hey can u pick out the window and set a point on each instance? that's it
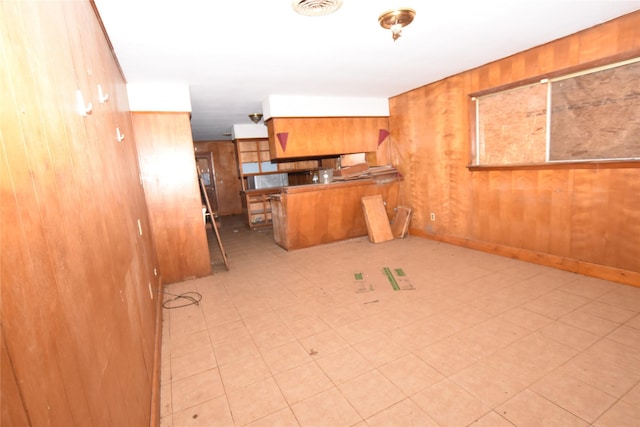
(593, 115)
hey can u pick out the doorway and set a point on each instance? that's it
(206, 171)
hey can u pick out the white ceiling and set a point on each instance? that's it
(234, 53)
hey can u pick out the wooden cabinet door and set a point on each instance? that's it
(323, 136)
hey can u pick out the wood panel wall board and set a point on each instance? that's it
(622, 242)
(566, 52)
(41, 152)
(590, 214)
(97, 67)
(67, 251)
(12, 411)
(628, 32)
(550, 209)
(173, 197)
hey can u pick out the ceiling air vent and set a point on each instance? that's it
(316, 7)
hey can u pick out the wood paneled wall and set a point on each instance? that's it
(78, 322)
(579, 218)
(225, 164)
(168, 165)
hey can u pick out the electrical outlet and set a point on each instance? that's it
(150, 291)
(433, 216)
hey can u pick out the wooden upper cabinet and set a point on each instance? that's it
(324, 136)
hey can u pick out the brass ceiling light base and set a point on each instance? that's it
(255, 117)
(395, 20)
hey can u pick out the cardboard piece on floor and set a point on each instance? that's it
(400, 222)
(375, 215)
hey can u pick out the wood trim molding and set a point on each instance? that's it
(624, 277)
(156, 404)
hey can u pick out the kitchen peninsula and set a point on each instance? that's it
(314, 214)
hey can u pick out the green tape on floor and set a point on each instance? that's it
(399, 272)
(358, 276)
(392, 280)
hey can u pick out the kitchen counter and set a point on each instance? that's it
(314, 214)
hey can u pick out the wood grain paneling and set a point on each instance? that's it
(580, 219)
(168, 166)
(78, 323)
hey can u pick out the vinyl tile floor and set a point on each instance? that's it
(320, 337)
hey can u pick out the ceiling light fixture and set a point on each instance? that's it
(316, 7)
(255, 117)
(395, 20)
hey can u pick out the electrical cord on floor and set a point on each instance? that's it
(194, 298)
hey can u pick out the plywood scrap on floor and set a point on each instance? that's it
(375, 216)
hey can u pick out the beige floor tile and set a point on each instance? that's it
(530, 358)
(326, 409)
(575, 396)
(627, 297)
(403, 414)
(608, 311)
(165, 400)
(622, 414)
(282, 418)
(491, 419)
(449, 404)
(589, 287)
(307, 326)
(528, 409)
(626, 335)
(569, 335)
(243, 372)
(589, 322)
(371, 393)
(291, 341)
(526, 318)
(340, 316)
(196, 389)
(488, 384)
(192, 363)
(380, 350)
(262, 321)
(255, 401)
(323, 343)
(212, 413)
(611, 379)
(616, 354)
(274, 336)
(634, 322)
(233, 349)
(187, 343)
(228, 331)
(411, 374)
(343, 365)
(286, 357)
(633, 396)
(303, 382)
(447, 356)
